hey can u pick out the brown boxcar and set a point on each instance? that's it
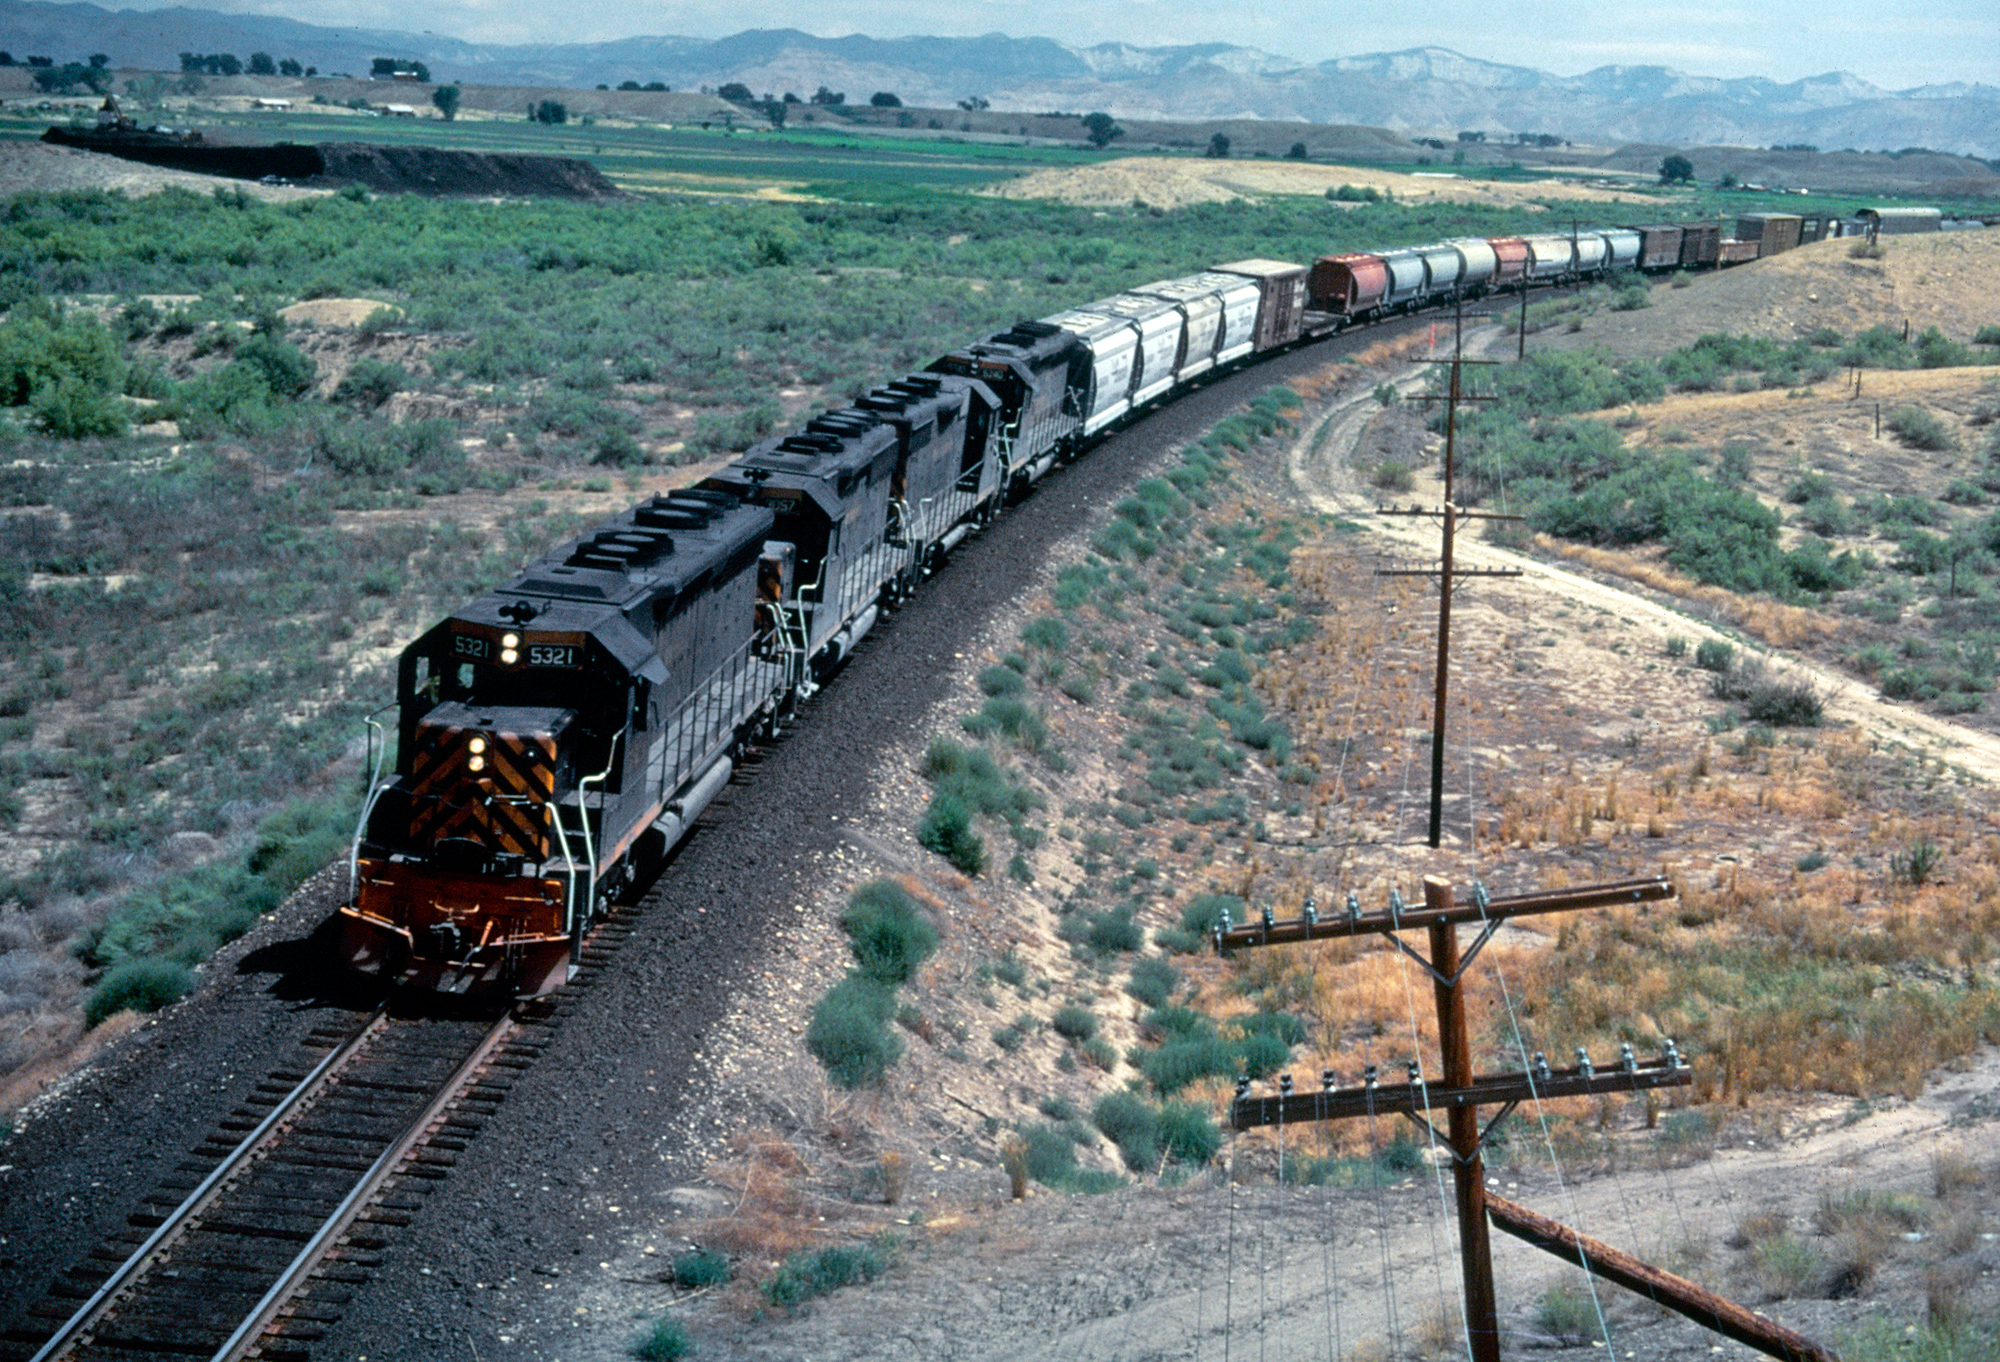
(1348, 285)
(1733, 252)
(1659, 246)
(1700, 242)
(1282, 310)
(1773, 232)
(1512, 252)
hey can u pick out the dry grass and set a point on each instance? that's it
(1768, 621)
(766, 1175)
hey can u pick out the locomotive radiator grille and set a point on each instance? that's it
(489, 788)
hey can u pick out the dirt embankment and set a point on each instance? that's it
(1942, 279)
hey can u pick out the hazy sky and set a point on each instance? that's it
(1893, 43)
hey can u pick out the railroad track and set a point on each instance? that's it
(252, 1246)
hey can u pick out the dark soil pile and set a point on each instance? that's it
(460, 174)
(431, 171)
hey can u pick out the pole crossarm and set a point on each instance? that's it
(1330, 1104)
(1460, 1094)
(1437, 569)
(1477, 909)
(1704, 1307)
(1448, 509)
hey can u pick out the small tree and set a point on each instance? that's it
(261, 64)
(148, 90)
(548, 113)
(828, 98)
(1218, 146)
(64, 78)
(736, 92)
(446, 98)
(1100, 129)
(882, 99)
(974, 103)
(289, 66)
(1676, 170)
(100, 60)
(1297, 153)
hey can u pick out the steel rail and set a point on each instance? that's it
(205, 1192)
(351, 1206)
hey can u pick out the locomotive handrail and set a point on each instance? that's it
(569, 864)
(375, 788)
(583, 814)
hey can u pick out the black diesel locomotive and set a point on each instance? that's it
(568, 727)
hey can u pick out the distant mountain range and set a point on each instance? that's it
(1426, 91)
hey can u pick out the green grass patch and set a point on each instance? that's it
(137, 986)
(810, 1273)
(850, 1032)
(664, 1340)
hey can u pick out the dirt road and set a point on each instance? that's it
(1321, 468)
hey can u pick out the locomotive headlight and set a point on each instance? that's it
(477, 764)
(477, 745)
(510, 641)
(509, 656)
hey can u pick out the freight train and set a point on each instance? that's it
(560, 733)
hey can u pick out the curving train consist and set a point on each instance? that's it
(568, 727)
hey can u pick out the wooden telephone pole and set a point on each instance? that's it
(1461, 1094)
(1446, 570)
